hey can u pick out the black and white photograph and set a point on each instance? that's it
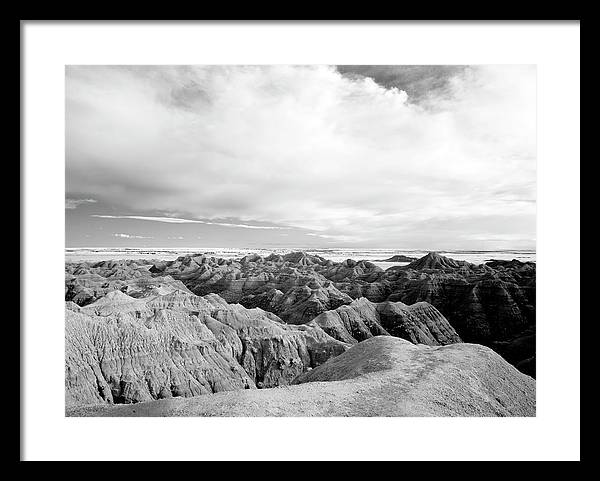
(300, 240)
(282, 240)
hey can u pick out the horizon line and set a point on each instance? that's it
(301, 248)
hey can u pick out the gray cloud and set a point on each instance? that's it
(74, 203)
(420, 82)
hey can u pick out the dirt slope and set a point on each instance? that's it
(382, 376)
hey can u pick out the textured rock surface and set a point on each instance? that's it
(491, 304)
(420, 323)
(433, 260)
(86, 282)
(382, 376)
(299, 305)
(121, 349)
(239, 280)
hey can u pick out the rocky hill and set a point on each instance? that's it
(491, 304)
(487, 304)
(299, 305)
(382, 376)
(86, 282)
(420, 323)
(120, 349)
(435, 261)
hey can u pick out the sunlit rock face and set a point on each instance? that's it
(381, 376)
(120, 349)
(458, 379)
(420, 323)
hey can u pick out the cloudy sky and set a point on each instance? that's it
(405, 157)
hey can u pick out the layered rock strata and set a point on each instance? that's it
(120, 349)
(382, 376)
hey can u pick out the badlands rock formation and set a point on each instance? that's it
(491, 304)
(420, 323)
(120, 349)
(87, 282)
(139, 331)
(299, 305)
(382, 376)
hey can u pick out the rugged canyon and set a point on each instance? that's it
(140, 331)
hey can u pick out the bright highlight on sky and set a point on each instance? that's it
(406, 157)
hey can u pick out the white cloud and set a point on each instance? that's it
(246, 226)
(306, 147)
(130, 236)
(74, 203)
(170, 220)
(341, 238)
(176, 220)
